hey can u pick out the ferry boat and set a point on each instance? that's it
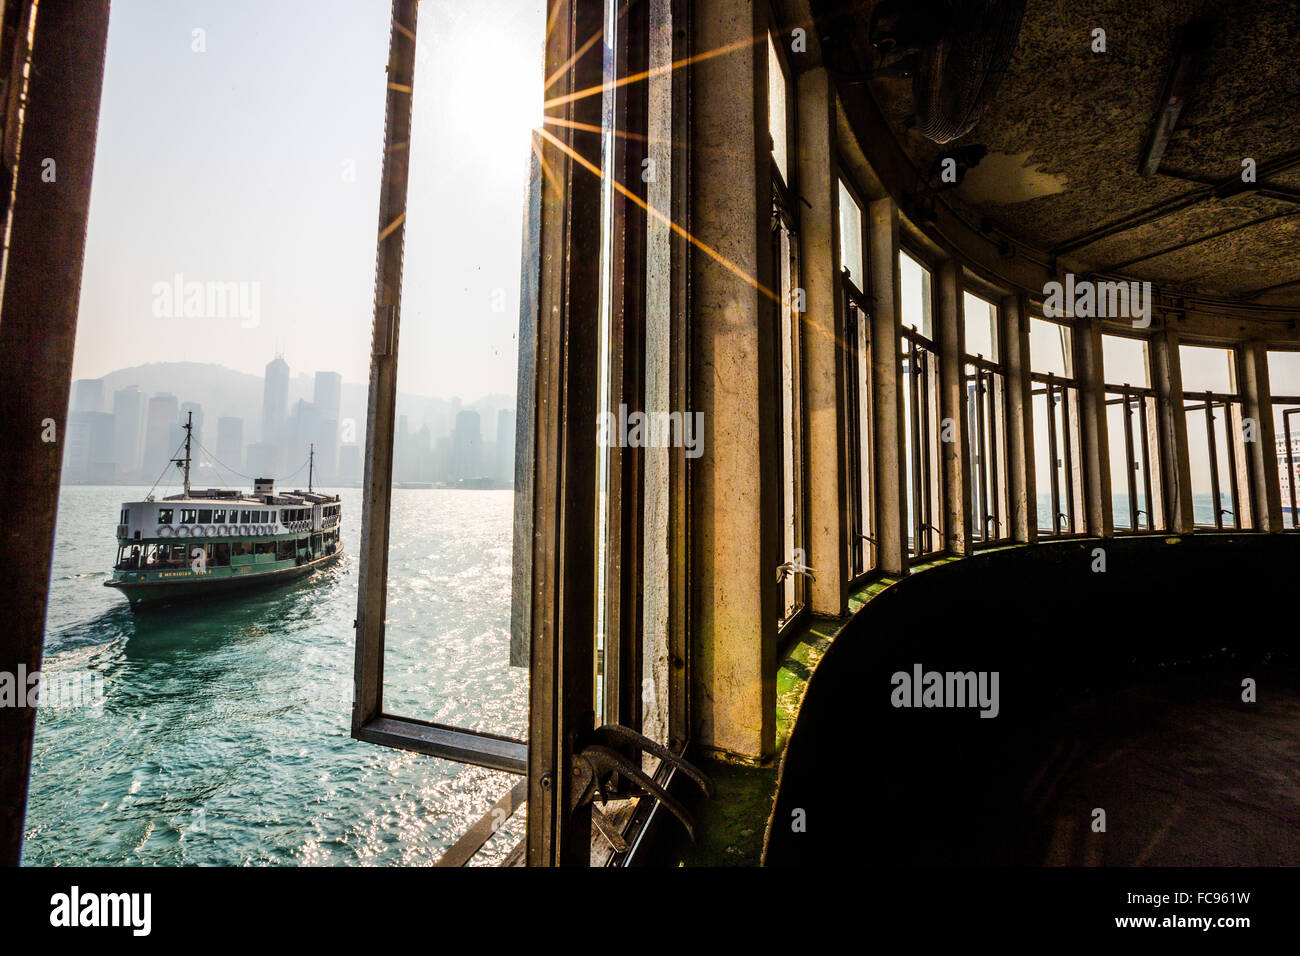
(213, 541)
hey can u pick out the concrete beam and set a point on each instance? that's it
(950, 333)
(1093, 430)
(823, 356)
(735, 546)
(887, 388)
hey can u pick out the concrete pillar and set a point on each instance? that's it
(735, 490)
(1092, 415)
(823, 355)
(1175, 460)
(950, 335)
(1021, 479)
(1257, 403)
(38, 329)
(887, 388)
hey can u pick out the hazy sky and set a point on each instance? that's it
(258, 161)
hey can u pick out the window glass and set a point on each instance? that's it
(164, 515)
(1284, 384)
(1284, 373)
(776, 110)
(1207, 369)
(1051, 348)
(851, 237)
(981, 318)
(914, 281)
(1125, 361)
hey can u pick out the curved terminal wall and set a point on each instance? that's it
(1118, 690)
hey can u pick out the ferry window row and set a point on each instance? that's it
(215, 554)
(222, 516)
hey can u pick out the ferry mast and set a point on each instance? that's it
(184, 463)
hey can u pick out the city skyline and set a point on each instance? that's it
(139, 436)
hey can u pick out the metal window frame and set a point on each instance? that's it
(920, 368)
(785, 232)
(985, 433)
(1145, 402)
(786, 228)
(370, 721)
(1063, 452)
(1294, 508)
(1233, 411)
(620, 666)
(990, 467)
(857, 379)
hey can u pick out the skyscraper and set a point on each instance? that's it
(159, 422)
(275, 400)
(264, 460)
(87, 395)
(88, 448)
(329, 391)
(128, 428)
(230, 442)
(301, 433)
(350, 464)
(326, 398)
(467, 447)
(505, 447)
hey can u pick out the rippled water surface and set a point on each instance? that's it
(223, 736)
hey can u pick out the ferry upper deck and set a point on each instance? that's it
(989, 310)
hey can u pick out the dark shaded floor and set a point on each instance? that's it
(1119, 692)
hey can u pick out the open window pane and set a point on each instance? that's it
(921, 418)
(917, 304)
(981, 320)
(990, 502)
(447, 632)
(777, 119)
(1216, 449)
(1051, 348)
(1206, 369)
(851, 237)
(920, 367)
(793, 540)
(1058, 463)
(1058, 458)
(1125, 361)
(862, 550)
(1132, 425)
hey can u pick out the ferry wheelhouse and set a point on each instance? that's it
(212, 541)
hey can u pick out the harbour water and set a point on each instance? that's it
(223, 734)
